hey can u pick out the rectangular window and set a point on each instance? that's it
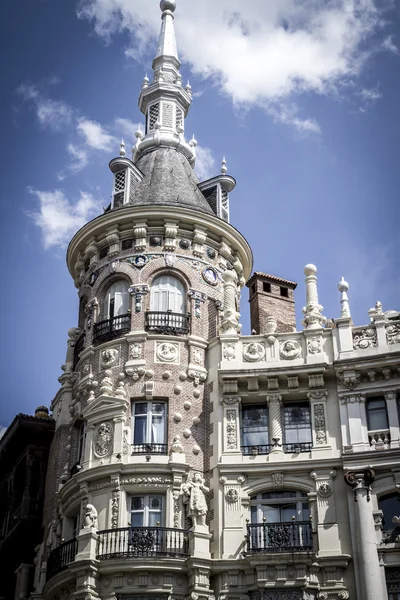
(284, 292)
(147, 511)
(254, 426)
(119, 184)
(127, 244)
(377, 414)
(266, 287)
(149, 427)
(103, 253)
(154, 114)
(297, 423)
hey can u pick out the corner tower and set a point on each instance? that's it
(128, 474)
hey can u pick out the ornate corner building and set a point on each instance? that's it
(190, 461)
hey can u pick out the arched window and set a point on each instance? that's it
(116, 301)
(280, 522)
(167, 294)
(116, 319)
(167, 307)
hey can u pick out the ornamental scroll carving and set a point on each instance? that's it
(365, 338)
(103, 440)
(393, 334)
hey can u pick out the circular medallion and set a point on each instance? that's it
(210, 276)
(140, 261)
(184, 244)
(211, 253)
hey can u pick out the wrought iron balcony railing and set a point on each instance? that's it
(254, 450)
(111, 328)
(279, 537)
(79, 346)
(167, 322)
(149, 449)
(138, 542)
(297, 447)
(61, 557)
(294, 448)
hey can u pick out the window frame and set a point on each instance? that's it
(146, 509)
(299, 499)
(370, 412)
(148, 446)
(109, 302)
(292, 405)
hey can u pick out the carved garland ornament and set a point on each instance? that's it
(319, 423)
(231, 430)
(103, 440)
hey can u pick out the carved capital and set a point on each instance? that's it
(231, 400)
(360, 481)
(274, 399)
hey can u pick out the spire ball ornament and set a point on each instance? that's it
(168, 5)
(343, 286)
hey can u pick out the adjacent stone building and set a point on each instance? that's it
(24, 451)
(190, 461)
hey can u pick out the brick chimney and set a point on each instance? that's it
(271, 296)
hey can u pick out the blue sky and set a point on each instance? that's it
(302, 100)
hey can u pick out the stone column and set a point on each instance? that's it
(230, 318)
(370, 576)
(275, 421)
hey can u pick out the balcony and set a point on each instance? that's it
(111, 328)
(295, 448)
(168, 323)
(139, 542)
(61, 557)
(379, 439)
(149, 449)
(79, 346)
(279, 537)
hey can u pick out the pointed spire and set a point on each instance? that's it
(122, 151)
(224, 168)
(167, 41)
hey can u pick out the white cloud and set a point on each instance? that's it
(54, 114)
(205, 163)
(79, 158)
(58, 218)
(258, 53)
(126, 128)
(95, 135)
(370, 95)
(388, 44)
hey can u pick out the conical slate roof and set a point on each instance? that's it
(169, 180)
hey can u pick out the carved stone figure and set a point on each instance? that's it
(110, 357)
(253, 352)
(194, 492)
(103, 440)
(167, 352)
(90, 518)
(290, 350)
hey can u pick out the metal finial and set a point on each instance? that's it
(122, 151)
(224, 169)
